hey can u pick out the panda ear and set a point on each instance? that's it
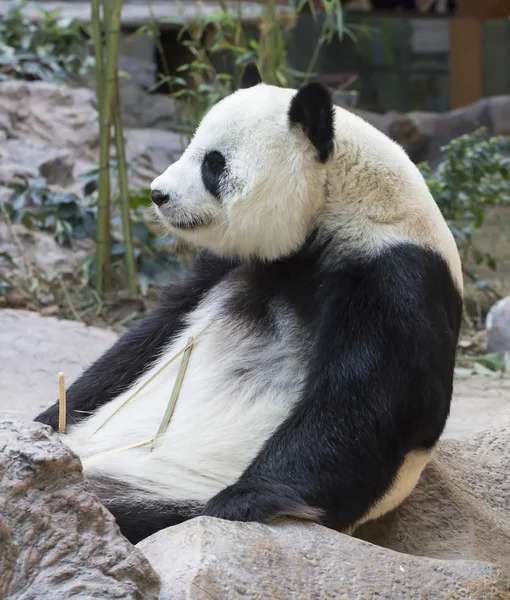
(250, 76)
(312, 109)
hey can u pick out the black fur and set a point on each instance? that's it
(250, 76)
(139, 515)
(212, 169)
(379, 383)
(137, 350)
(312, 108)
(383, 336)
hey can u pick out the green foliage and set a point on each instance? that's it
(221, 39)
(473, 176)
(70, 218)
(61, 213)
(47, 49)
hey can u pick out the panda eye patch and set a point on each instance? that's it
(215, 162)
(213, 166)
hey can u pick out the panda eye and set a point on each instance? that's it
(215, 162)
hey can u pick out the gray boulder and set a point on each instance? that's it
(498, 327)
(450, 540)
(52, 130)
(209, 558)
(141, 109)
(56, 540)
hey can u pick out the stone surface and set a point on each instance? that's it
(209, 558)
(450, 539)
(33, 350)
(40, 249)
(162, 147)
(141, 109)
(498, 327)
(53, 129)
(461, 507)
(57, 541)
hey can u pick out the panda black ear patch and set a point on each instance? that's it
(250, 76)
(312, 108)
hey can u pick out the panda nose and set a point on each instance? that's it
(159, 198)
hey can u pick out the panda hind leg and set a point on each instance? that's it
(137, 513)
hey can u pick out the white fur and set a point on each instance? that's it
(220, 420)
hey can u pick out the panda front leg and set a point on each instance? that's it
(332, 462)
(376, 401)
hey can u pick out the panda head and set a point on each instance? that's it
(253, 179)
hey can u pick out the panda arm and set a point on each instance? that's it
(136, 350)
(379, 386)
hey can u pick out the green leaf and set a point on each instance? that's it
(481, 369)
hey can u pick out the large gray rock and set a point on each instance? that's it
(57, 540)
(498, 327)
(209, 558)
(450, 539)
(141, 109)
(53, 130)
(461, 506)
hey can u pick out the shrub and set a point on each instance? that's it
(473, 175)
(50, 49)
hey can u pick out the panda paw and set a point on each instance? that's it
(259, 501)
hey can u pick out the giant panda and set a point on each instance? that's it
(324, 306)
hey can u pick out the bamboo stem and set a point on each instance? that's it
(129, 253)
(103, 234)
(117, 450)
(151, 379)
(174, 395)
(62, 410)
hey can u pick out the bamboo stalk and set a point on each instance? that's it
(175, 394)
(103, 233)
(62, 409)
(151, 379)
(129, 253)
(116, 450)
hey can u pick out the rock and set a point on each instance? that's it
(53, 129)
(141, 72)
(142, 110)
(58, 170)
(33, 351)
(461, 507)
(25, 158)
(57, 539)
(449, 540)
(209, 558)
(162, 146)
(42, 251)
(497, 325)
